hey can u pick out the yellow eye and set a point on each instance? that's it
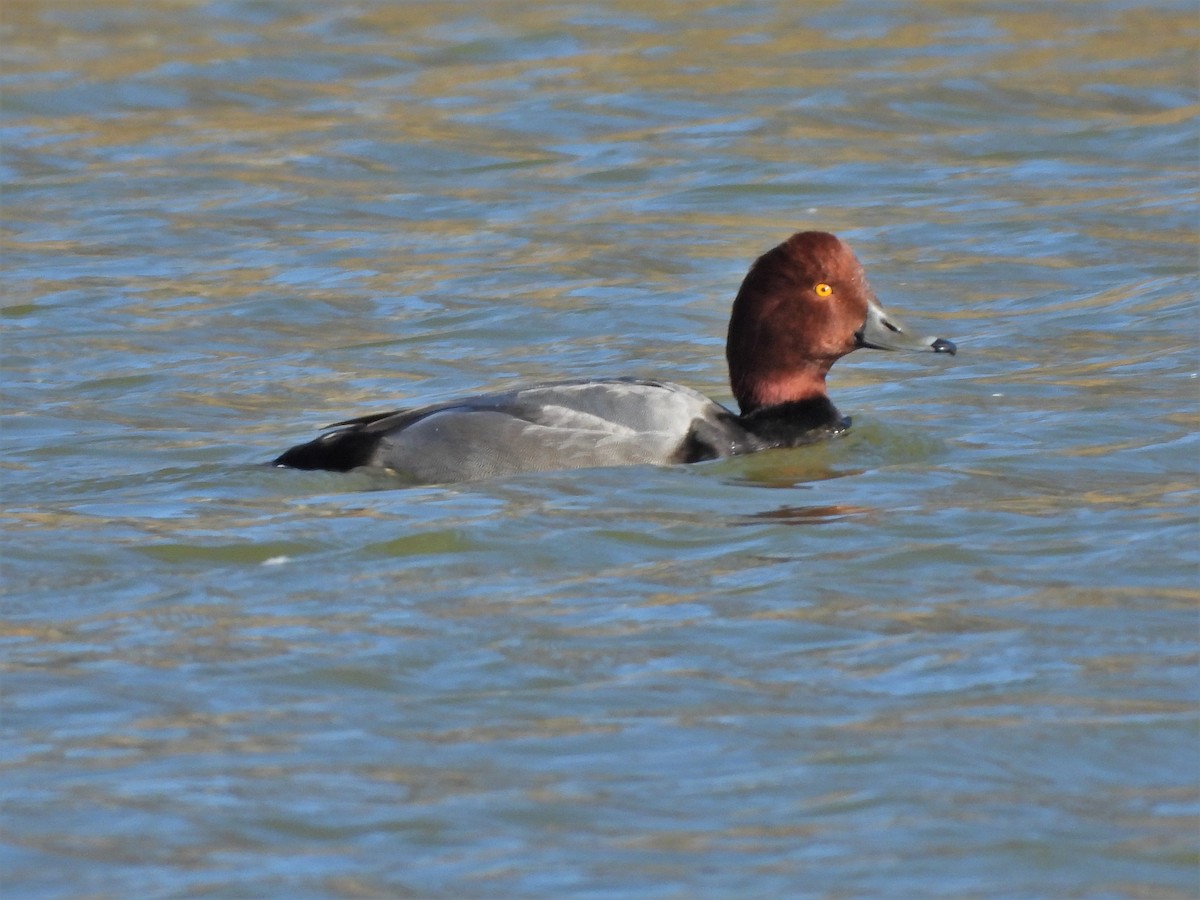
(823, 290)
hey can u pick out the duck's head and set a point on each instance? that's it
(804, 305)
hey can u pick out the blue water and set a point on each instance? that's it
(952, 654)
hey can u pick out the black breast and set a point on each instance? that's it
(795, 424)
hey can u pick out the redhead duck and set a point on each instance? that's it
(802, 306)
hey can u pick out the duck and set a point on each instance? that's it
(802, 306)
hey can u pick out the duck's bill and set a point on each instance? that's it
(883, 331)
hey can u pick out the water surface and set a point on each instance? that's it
(953, 654)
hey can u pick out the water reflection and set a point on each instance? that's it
(812, 515)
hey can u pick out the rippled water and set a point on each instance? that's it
(954, 654)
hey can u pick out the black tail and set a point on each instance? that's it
(338, 451)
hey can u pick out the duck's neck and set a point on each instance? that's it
(790, 408)
(761, 390)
